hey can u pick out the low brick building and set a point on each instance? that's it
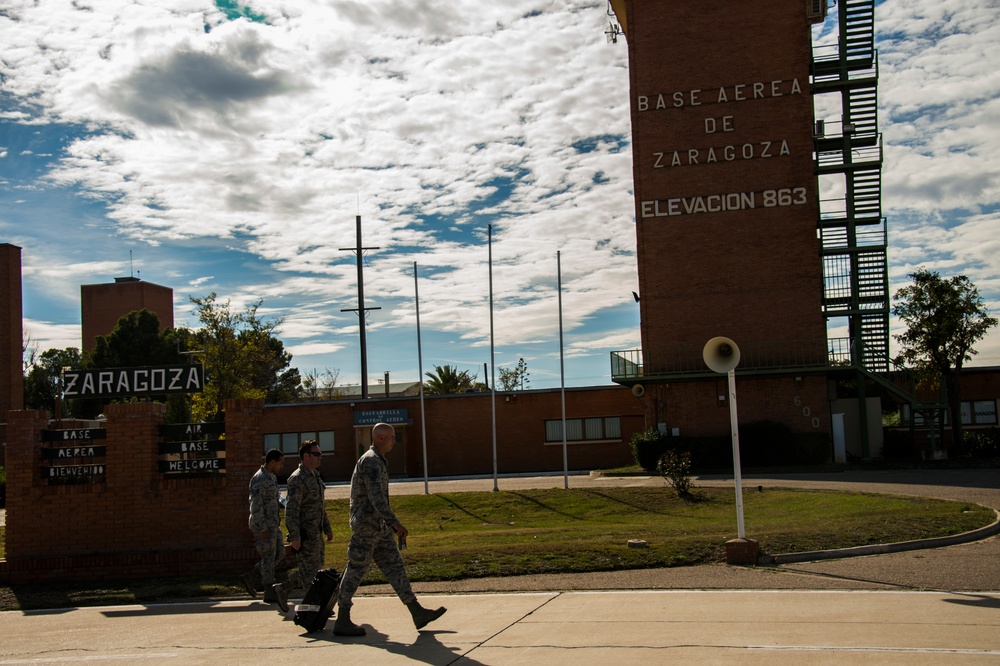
(459, 431)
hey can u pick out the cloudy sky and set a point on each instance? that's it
(228, 146)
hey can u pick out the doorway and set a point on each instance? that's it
(396, 457)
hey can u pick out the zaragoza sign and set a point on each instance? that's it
(116, 382)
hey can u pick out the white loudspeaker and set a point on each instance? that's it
(638, 391)
(721, 354)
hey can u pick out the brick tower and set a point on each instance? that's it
(102, 305)
(727, 210)
(11, 372)
(725, 184)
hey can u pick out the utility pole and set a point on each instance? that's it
(361, 309)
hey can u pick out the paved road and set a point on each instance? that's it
(929, 606)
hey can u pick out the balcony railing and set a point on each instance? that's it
(757, 357)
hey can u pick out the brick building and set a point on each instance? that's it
(729, 156)
(725, 189)
(599, 427)
(11, 335)
(102, 305)
(927, 431)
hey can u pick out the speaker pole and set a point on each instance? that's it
(722, 355)
(734, 426)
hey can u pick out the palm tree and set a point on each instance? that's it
(445, 379)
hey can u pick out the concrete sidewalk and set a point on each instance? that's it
(552, 628)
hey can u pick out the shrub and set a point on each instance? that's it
(983, 444)
(675, 467)
(647, 447)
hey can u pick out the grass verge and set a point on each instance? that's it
(476, 534)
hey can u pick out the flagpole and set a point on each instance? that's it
(493, 384)
(420, 370)
(562, 371)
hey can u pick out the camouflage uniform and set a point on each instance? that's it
(306, 520)
(373, 538)
(265, 517)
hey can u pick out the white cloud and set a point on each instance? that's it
(44, 335)
(940, 99)
(940, 112)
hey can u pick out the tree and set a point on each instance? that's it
(29, 351)
(269, 365)
(242, 357)
(41, 381)
(944, 318)
(516, 378)
(319, 386)
(446, 379)
(136, 341)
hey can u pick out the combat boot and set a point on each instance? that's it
(248, 584)
(270, 596)
(424, 616)
(280, 596)
(344, 627)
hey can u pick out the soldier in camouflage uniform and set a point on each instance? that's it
(265, 523)
(306, 521)
(372, 525)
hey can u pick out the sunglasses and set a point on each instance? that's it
(314, 453)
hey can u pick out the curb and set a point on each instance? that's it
(876, 549)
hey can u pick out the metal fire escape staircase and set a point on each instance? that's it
(852, 230)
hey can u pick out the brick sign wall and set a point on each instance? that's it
(130, 519)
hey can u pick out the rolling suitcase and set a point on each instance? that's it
(317, 604)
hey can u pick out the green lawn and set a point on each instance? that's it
(467, 535)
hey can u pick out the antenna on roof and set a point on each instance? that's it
(614, 29)
(612, 32)
(130, 271)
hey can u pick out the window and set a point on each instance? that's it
(979, 412)
(289, 442)
(584, 430)
(272, 442)
(974, 412)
